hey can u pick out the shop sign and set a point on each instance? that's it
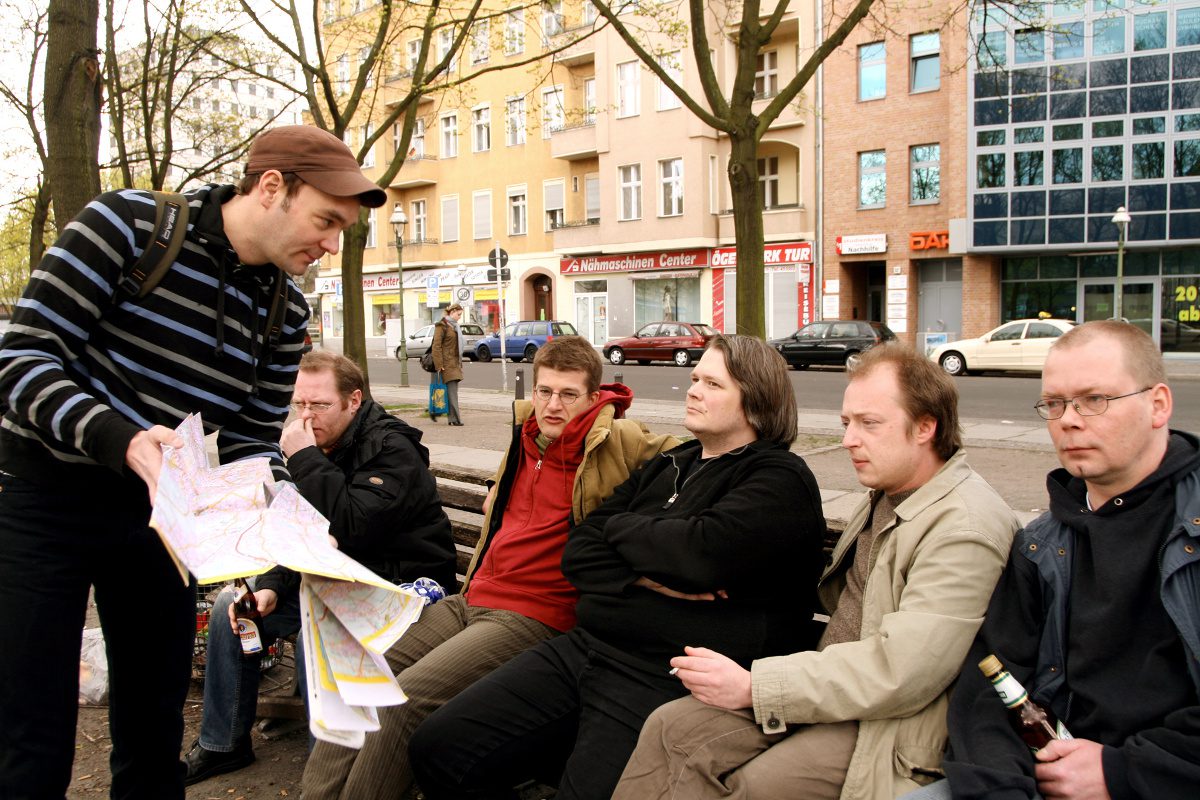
(781, 253)
(634, 262)
(929, 240)
(865, 243)
(328, 285)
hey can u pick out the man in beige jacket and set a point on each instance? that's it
(864, 715)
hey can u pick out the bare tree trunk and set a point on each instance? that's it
(748, 230)
(354, 346)
(37, 225)
(72, 92)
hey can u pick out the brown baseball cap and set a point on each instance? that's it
(318, 158)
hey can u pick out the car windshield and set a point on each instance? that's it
(705, 330)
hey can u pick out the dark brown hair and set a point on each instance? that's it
(925, 391)
(570, 354)
(291, 184)
(346, 373)
(761, 373)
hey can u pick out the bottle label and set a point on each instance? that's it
(1009, 689)
(251, 638)
(1061, 731)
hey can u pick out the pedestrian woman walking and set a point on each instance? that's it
(447, 357)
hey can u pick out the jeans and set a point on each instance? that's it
(566, 712)
(938, 790)
(56, 540)
(231, 680)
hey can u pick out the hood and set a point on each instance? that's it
(371, 413)
(617, 395)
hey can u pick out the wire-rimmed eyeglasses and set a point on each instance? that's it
(316, 408)
(566, 396)
(1086, 405)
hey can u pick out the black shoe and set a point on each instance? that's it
(455, 424)
(203, 764)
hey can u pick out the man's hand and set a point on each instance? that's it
(714, 679)
(655, 586)
(1071, 768)
(296, 436)
(144, 454)
(265, 599)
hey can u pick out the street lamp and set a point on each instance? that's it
(1121, 220)
(399, 220)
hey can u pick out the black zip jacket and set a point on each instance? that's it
(381, 500)
(748, 522)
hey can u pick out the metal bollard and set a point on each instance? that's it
(520, 384)
(619, 377)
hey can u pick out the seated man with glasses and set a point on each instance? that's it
(1098, 612)
(570, 449)
(368, 474)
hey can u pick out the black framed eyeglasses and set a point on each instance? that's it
(316, 408)
(1086, 405)
(566, 396)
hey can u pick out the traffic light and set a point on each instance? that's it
(505, 274)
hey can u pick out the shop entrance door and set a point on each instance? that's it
(1139, 301)
(591, 317)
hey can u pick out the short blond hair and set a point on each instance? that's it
(1143, 360)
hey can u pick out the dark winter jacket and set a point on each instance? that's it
(381, 500)
(85, 367)
(748, 522)
(1131, 679)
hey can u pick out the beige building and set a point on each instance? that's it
(609, 196)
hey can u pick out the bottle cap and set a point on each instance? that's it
(990, 665)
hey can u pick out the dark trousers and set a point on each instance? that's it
(567, 711)
(55, 542)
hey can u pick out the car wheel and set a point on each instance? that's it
(800, 366)
(850, 360)
(399, 353)
(484, 354)
(530, 352)
(682, 358)
(643, 361)
(470, 356)
(616, 356)
(954, 364)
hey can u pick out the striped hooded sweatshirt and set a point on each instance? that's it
(85, 367)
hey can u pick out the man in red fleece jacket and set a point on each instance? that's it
(571, 448)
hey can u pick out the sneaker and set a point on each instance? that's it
(203, 764)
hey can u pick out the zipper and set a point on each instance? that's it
(679, 487)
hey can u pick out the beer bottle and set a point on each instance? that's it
(1036, 726)
(249, 621)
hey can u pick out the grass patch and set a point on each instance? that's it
(814, 441)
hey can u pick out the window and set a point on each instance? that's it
(369, 156)
(768, 181)
(766, 75)
(514, 121)
(481, 129)
(589, 14)
(479, 42)
(481, 214)
(445, 45)
(330, 11)
(872, 71)
(670, 183)
(370, 228)
(518, 219)
(591, 198)
(1067, 165)
(553, 115)
(419, 221)
(343, 73)
(1108, 36)
(1108, 163)
(553, 194)
(450, 136)
(989, 170)
(1150, 31)
(926, 173)
(630, 179)
(1068, 41)
(514, 32)
(1187, 158)
(1148, 160)
(1029, 168)
(991, 50)
(872, 179)
(414, 53)
(926, 70)
(364, 59)
(552, 18)
(450, 218)
(714, 198)
(416, 148)
(671, 64)
(589, 101)
(1187, 27)
(1030, 45)
(628, 89)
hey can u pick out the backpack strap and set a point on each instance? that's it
(170, 226)
(275, 316)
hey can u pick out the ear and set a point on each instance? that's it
(1161, 405)
(924, 430)
(271, 188)
(355, 399)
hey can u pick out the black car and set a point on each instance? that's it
(830, 341)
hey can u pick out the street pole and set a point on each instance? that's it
(1120, 219)
(500, 299)
(399, 220)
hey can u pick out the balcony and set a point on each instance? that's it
(417, 171)
(578, 236)
(574, 141)
(782, 221)
(581, 51)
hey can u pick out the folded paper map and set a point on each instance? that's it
(234, 521)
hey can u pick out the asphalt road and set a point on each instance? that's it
(987, 397)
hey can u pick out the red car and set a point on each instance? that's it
(681, 342)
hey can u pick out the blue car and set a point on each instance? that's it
(522, 339)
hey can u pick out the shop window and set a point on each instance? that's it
(666, 299)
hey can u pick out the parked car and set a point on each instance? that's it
(1172, 335)
(522, 339)
(422, 340)
(831, 341)
(681, 342)
(1020, 345)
